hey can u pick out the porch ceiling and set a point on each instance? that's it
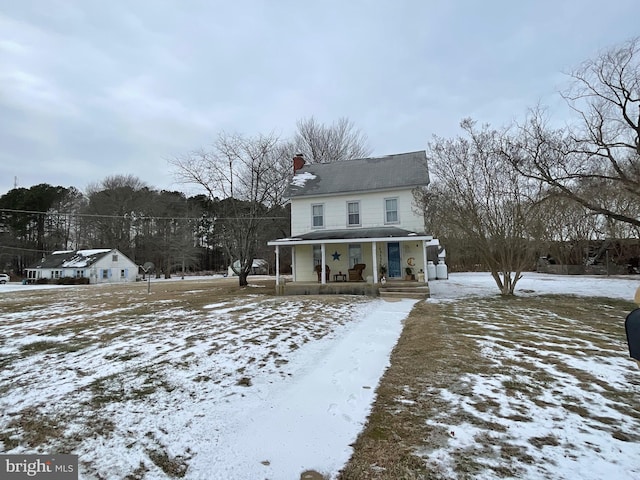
(362, 235)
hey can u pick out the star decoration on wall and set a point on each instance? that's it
(336, 255)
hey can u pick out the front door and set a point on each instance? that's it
(393, 257)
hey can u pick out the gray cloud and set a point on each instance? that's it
(91, 88)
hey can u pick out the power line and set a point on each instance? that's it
(125, 216)
(24, 249)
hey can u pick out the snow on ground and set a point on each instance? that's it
(469, 284)
(304, 400)
(250, 388)
(309, 423)
(558, 397)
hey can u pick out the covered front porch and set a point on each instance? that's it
(389, 290)
(354, 261)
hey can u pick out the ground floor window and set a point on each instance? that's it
(79, 273)
(317, 255)
(105, 273)
(123, 273)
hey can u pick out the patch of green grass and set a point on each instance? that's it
(37, 347)
(544, 440)
(106, 390)
(49, 346)
(175, 467)
(517, 385)
(138, 473)
(244, 382)
(9, 439)
(34, 428)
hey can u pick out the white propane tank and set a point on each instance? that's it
(431, 270)
(441, 271)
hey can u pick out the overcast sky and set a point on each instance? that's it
(96, 88)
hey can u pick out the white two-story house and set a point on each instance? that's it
(357, 213)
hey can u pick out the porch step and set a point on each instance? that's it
(405, 290)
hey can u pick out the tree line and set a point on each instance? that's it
(241, 207)
(502, 196)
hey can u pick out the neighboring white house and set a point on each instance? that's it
(99, 265)
(259, 266)
(357, 212)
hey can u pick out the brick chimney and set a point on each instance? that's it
(298, 162)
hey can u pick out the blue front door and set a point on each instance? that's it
(393, 257)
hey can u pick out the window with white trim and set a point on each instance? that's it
(317, 215)
(391, 210)
(353, 214)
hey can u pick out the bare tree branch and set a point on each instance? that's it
(320, 143)
(603, 148)
(479, 196)
(247, 177)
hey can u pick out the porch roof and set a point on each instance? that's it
(361, 235)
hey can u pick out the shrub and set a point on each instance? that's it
(72, 281)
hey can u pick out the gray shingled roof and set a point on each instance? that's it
(361, 175)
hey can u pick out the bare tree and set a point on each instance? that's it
(482, 198)
(595, 161)
(320, 143)
(112, 209)
(246, 177)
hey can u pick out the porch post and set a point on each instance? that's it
(424, 260)
(375, 261)
(323, 268)
(293, 262)
(277, 265)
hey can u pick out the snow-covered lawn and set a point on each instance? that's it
(189, 381)
(533, 387)
(197, 381)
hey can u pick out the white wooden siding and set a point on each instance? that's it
(114, 268)
(372, 211)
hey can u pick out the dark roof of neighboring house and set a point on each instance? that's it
(379, 232)
(403, 170)
(72, 258)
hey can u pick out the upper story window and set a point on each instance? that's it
(391, 210)
(114, 257)
(317, 216)
(353, 214)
